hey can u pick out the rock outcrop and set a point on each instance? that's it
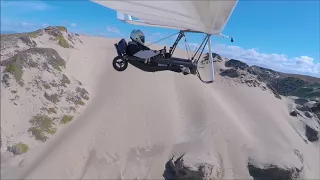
(311, 134)
(177, 169)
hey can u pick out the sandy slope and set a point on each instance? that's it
(136, 121)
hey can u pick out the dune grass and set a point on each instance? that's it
(65, 119)
(62, 41)
(38, 134)
(15, 70)
(53, 97)
(21, 147)
(72, 109)
(33, 34)
(42, 124)
(65, 80)
(49, 110)
(76, 100)
(83, 93)
(61, 28)
(79, 102)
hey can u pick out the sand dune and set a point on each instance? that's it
(135, 122)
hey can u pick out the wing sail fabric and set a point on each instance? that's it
(127, 18)
(208, 16)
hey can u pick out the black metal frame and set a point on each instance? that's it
(168, 62)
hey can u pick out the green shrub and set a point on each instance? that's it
(38, 134)
(61, 28)
(42, 124)
(21, 147)
(79, 102)
(65, 80)
(49, 110)
(66, 118)
(33, 34)
(53, 97)
(46, 85)
(62, 42)
(72, 109)
(83, 93)
(15, 70)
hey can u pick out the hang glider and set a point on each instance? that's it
(206, 16)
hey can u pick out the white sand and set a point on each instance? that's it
(136, 121)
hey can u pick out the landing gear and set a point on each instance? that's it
(119, 64)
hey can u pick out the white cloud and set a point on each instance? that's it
(73, 24)
(113, 29)
(279, 62)
(27, 24)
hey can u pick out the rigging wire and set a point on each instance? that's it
(185, 44)
(163, 39)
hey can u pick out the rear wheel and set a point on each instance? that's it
(119, 64)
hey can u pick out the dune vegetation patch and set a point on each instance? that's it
(72, 109)
(65, 80)
(38, 134)
(62, 41)
(42, 125)
(76, 100)
(13, 68)
(56, 66)
(83, 93)
(52, 98)
(49, 110)
(46, 85)
(79, 102)
(61, 28)
(19, 148)
(65, 119)
(34, 34)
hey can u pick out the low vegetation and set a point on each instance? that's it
(65, 80)
(33, 34)
(38, 134)
(61, 28)
(309, 91)
(49, 110)
(76, 100)
(79, 102)
(23, 148)
(62, 41)
(19, 148)
(46, 85)
(56, 64)
(72, 109)
(53, 97)
(83, 93)
(66, 118)
(16, 71)
(42, 125)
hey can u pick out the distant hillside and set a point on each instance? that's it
(290, 84)
(7, 32)
(285, 84)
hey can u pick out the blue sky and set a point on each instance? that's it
(282, 35)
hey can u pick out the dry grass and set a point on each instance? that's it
(42, 125)
(65, 119)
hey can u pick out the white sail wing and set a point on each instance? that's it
(207, 16)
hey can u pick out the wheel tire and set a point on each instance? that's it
(119, 64)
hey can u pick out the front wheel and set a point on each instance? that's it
(119, 64)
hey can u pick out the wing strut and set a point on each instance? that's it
(210, 59)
